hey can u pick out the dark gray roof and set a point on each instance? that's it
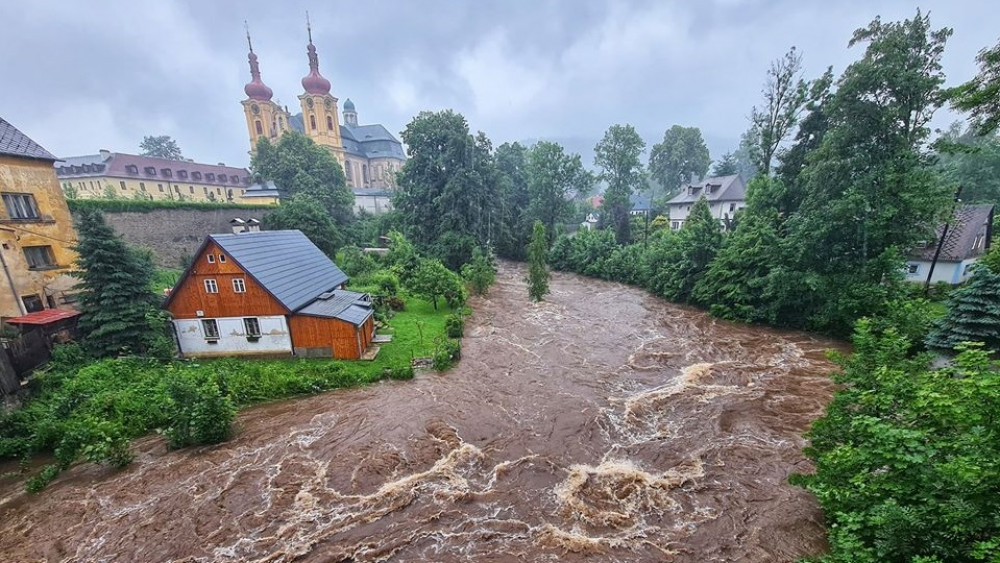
(349, 306)
(365, 141)
(15, 143)
(718, 188)
(970, 225)
(285, 263)
(639, 202)
(267, 189)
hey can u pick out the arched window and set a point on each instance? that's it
(281, 123)
(312, 122)
(329, 123)
(260, 128)
(347, 170)
(364, 173)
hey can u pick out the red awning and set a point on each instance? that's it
(45, 317)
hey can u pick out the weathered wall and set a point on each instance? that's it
(52, 228)
(175, 234)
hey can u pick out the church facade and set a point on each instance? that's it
(370, 154)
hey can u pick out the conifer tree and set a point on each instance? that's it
(973, 314)
(697, 244)
(538, 271)
(116, 301)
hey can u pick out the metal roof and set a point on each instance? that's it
(969, 225)
(46, 317)
(349, 306)
(15, 143)
(717, 188)
(365, 141)
(286, 263)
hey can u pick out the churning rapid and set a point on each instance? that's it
(602, 424)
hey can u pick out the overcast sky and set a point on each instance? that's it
(82, 76)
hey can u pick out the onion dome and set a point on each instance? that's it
(256, 89)
(348, 105)
(314, 83)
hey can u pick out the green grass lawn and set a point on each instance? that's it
(165, 278)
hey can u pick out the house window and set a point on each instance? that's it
(122, 184)
(222, 258)
(210, 328)
(132, 169)
(196, 175)
(312, 122)
(239, 286)
(259, 127)
(732, 207)
(912, 268)
(965, 270)
(347, 169)
(39, 257)
(329, 123)
(20, 206)
(150, 170)
(142, 186)
(252, 326)
(182, 174)
(211, 286)
(33, 303)
(161, 187)
(167, 173)
(211, 258)
(191, 189)
(675, 225)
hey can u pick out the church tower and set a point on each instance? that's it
(264, 117)
(320, 118)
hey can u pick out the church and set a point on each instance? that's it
(370, 154)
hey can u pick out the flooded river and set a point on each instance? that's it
(600, 425)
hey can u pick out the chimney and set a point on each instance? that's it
(105, 154)
(694, 178)
(222, 164)
(239, 225)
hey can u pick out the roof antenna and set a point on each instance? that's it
(309, 28)
(247, 27)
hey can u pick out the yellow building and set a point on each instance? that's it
(36, 229)
(370, 154)
(129, 176)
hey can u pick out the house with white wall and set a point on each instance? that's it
(967, 238)
(725, 195)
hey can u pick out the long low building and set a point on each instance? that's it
(128, 176)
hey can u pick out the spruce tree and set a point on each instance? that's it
(116, 300)
(538, 271)
(697, 244)
(973, 314)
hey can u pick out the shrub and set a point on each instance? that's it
(200, 413)
(401, 372)
(387, 282)
(454, 326)
(396, 303)
(38, 482)
(447, 352)
(356, 263)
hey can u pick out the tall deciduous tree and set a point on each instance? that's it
(971, 161)
(538, 270)
(297, 165)
(553, 176)
(449, 189)
(306, 214)
(981, 95)
(785, 94)
(681, 154)
(617, 155)
(512, 215)
(115, 299)
(160, 146)
(432, 280)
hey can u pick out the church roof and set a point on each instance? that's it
(365, 141)
(15, 143)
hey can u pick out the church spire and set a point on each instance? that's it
(314, 83)
(255, 89)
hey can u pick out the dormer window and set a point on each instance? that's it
(132, 169)
(196, 175)
(234, 179)
(167, 173)
(150, 170)
(222, 178)
(182, 174)
(209, 176)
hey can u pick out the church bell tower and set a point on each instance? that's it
(320, 118)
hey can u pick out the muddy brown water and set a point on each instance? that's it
(600, 425)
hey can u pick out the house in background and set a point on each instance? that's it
(641, 204)
(268, 293)
(129, 176)
(725, 194)
(36, 229)
(968, 238)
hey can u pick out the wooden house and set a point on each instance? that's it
(268, 293)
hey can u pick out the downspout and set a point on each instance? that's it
(944, 235)
(13, 288)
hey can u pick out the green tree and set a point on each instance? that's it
(681, 154)
(117, 305)
(973, 313)
(726, 166)
(432, 280)
(480, 272)
(981, 95)
(297, 165)
(697, 244)
(553, 176)
(449, 189)
(305, 214)
(160, 146)
(538, 270)
(971, 161)
(512, 216)
(785, 94)
(617, 155)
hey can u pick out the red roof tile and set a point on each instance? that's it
(45, 317)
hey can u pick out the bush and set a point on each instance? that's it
(447, 352)
(200, 413)
(396, 303)
(401, 372)
(454, 326)
(356, 263)
(387, 282)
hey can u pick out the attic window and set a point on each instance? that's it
(150, 170)
(132, 169)
(182, 174)
(222, 258)
(210, 176)
(211, 258)
(167, 173)
(222, 178)
(234, 179)
(196, 175)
